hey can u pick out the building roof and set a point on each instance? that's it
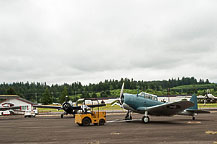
(7, 97)
(3, 97)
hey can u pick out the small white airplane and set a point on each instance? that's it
(8, 108)
(208, 97)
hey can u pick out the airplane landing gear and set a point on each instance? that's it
(193, 116)
(128, 116)
(62, 115)
(146, 118)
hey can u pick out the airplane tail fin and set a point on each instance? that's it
(194, 108)
(194, 100)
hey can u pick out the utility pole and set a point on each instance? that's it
(36, 98)
(52, 97)
(168, 94)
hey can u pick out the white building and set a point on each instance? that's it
(15, 100)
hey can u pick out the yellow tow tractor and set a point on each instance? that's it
(88, 116)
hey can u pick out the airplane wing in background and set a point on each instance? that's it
(98, 105)
(44, 106)
(167, 109)
(8, 108)
(73, 107)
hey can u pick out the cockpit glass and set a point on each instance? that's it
(148, 96)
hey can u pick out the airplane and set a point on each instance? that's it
(207, 98)
(148, 104)
(9, 108)
(69, 108)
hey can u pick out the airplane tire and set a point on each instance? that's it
(86, 121)
(193, 118)
(61, 116)
(145, 119)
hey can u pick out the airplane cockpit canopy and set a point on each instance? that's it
(149, 96)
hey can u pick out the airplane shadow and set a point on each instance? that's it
(159, 122)
(55, 118)
(197, 120)
(151, 122)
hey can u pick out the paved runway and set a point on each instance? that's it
(52, 130)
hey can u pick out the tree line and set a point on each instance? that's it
(46, 94)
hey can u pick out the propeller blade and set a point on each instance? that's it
(66, 99)
(121, 94)
(122, 90)
(115, 101)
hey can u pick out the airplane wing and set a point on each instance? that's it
(167, 109)
(98, 105)
(201, 97)
(43, 106)
(8, 108)
(197, 111)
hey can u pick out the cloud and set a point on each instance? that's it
(89, 41)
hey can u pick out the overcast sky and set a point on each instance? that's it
(57, 41)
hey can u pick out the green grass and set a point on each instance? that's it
(42, 110)
(193, 87)
(209, 105)
(109, 107)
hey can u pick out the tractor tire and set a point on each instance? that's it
(79, 124)
(86, 121)
(101, 122)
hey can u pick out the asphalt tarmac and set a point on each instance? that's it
(51, 129)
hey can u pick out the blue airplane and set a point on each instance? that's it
(148, 104)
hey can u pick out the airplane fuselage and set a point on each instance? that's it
(132, 102)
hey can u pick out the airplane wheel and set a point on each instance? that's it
(193, 118)
(145, 119)
(61, 116)
(128, 118)
(86, 121)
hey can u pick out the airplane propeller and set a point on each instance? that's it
(66, 106)
(120, 101)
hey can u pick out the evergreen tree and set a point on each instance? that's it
(46, 97)
(63, 95)
(11, 91)
(94, 95)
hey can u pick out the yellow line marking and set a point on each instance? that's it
(211, 132)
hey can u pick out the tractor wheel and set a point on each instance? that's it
(79, 124)
(101, 122)
(86, 121)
